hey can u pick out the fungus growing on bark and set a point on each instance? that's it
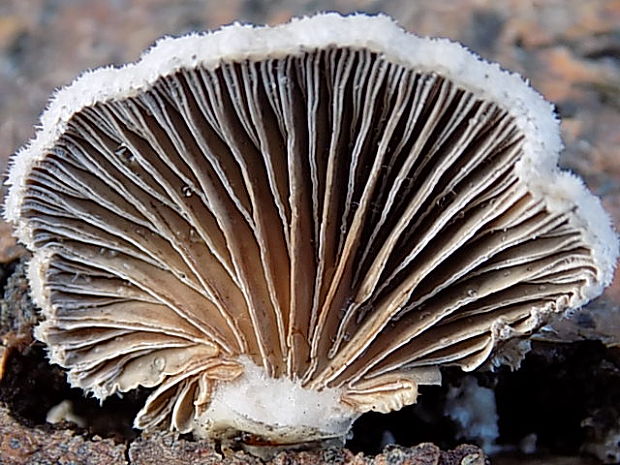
(279, 229)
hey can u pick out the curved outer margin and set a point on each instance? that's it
(534, 116)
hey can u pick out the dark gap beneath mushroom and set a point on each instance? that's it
(562, 396)
(31, 387)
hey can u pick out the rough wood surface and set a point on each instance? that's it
(21, 445)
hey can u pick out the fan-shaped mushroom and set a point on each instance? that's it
(281, 228)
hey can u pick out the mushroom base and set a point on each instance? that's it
(261, 410)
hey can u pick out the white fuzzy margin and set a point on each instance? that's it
(534, 116)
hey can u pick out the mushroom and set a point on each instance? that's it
(280, 228)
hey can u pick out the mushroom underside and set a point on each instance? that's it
(332, 218)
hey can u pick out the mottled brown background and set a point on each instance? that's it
(569, 49)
